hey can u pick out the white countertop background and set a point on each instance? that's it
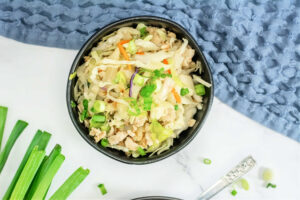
(33, 86)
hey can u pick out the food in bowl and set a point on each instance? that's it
(138, 89)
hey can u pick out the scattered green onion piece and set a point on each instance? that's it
(102, 189)
(15, 133)
(84, 113)
(233, 192)
(99, 106)
(244, 184)
(3, 114)
(73, 104)
(98, 118)
(143, 31)
(176, 107)
(120, 78)
(70, 184)
(147, 90)
(44, 184)
(41, 173)
(72, 76)
(138, 80)
(41, 139)
(271, 185)
(94, 124)
(105, 127)
(200, 89)
(141, 151)
(140, 26)
(184, 91)
(147, 103)
(104, 142)
(206, 161)
(268, 175)
(31, 167)
(132, 47)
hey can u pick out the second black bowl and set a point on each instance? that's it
(186, 136)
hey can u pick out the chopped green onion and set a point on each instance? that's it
(141, 151)
(99, 106)
(200, 89)
(176, 107)
(147, 103)
(120, 78)
(233, 192)
(98, 118)
(105, 127)
(206, 161)
(244, 184)
(72, 76)
(138, 80)
(271, 185)
(268, 175)
(46, 180)
(132, 47)
(3, 114)
(94, 124)
(147, 90)
(41, 139)
(104, 142)
(84, 113)
(41, 173)
(184, 91)
(140, 26)
(15, 133)
(102, 189)
(73, 104)
(70, 184)
(31, 167)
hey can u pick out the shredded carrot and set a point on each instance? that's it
(169, 71)
(99, 70)
(165, 61)
(140, 53)
(122, 50)
(176, 96)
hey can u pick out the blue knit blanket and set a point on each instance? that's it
(252, 46)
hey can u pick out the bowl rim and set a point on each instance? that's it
(78, 58)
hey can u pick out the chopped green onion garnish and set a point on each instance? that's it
(105, 127)
(132, 47)
(73, 104)
(147, 103)
(138, 80)
(120, 78)
(104, 142)
(271, 185)
(98, 118)
(73, 75)
(244, 184)
(200, 89)
(141, 151)
(267, 175)
(184, 91)
(143, 32)
(102, 189)
(176, 107)
(233, 192)
(3, 114)
(147, 90)
(206, 161)
(99, 106)
(85, 110)
(70, 184)
(14, 135)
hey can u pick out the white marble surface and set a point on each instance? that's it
(33, 84)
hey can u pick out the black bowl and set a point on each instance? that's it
(186, 136)
(156, 198)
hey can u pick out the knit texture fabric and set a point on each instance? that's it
(252, 46)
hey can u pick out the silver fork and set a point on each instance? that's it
(237, 172)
